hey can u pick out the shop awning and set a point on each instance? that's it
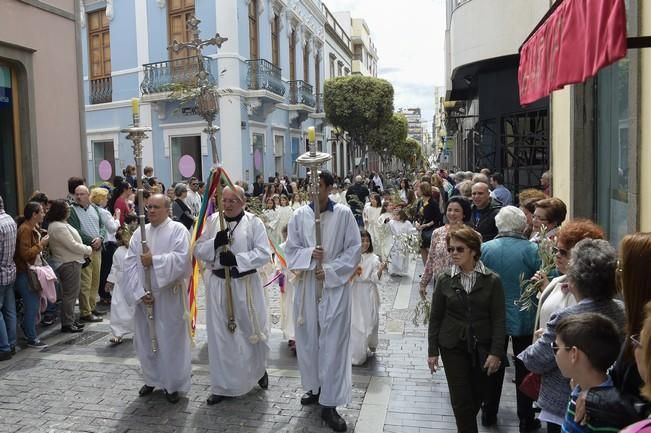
(573, 41)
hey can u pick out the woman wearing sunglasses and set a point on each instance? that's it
(467, 326)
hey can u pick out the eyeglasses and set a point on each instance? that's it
(230, 201)
(560, 251)
(635, 340)
(153, 206)
(556, 347)
(194, 184)
(457, 249)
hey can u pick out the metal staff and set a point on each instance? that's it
(313, 160)
(137, 134)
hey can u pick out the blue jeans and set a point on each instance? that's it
(7, 317)
(31, 304)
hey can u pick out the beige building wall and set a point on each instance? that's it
(561, 146)
(645, 114)
(47, 36)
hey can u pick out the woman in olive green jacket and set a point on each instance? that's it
(467, 326)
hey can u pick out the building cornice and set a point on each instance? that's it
(38, 4)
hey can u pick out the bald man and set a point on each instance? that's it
(484, 209)
(237, 360)
(85, 217)
(168, 261)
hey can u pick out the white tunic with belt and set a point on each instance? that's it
(323, 328)
(237, 360)
(169, 243)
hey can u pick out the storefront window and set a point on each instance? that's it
(612, 171)
(258, 154)
(186, 158)
(103, 160)
(8, 176)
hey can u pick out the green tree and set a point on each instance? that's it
(388, 136)
(410, 153)
(358, 105)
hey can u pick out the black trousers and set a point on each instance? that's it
(493, 391)
(105, 269)
(466, 382)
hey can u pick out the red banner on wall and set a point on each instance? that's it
(571, 44)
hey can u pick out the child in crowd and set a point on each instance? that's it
(584, 353)
(365, 302)
(287, 284)
(121, 312)
(385, 240)
(400, 260)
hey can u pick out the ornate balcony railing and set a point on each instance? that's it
(264, 75)
(319, 102)
(161, 76)
(101, 90)
(301, 93)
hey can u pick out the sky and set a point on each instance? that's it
(409, 37)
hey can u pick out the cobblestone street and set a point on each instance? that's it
(81, 384)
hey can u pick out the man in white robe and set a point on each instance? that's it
(169, 263)
(237, 360)
(323, 326)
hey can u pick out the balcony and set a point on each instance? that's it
(161, 76)
(101, 90)
(319, 112)
(300, 93)
(264, 75)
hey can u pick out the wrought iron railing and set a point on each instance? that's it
(319, 102)
(163, 76)
(301, 93)
(101, 90)
(264, 75)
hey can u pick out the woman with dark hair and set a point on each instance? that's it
(591, 275)
(438, 259)
(365, 302)
(624, 403)
(67, 249)
(118, 201)
(466, 326)
(181, 212)
(428, 218)
(550, 214)
(29, 246)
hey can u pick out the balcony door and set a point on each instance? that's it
(179, 12)
(99, 51)
(253, 30)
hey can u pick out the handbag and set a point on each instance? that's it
(32, 275)
(530, 386)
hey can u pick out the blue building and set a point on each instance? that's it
(270, 71)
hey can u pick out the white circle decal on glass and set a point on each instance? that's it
(187, 166)
(105, 170)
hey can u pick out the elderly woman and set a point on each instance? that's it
(556, 294)
(181, 212)
(67, 249)
(466, 326)
(512, 257)
(438, 259)
(591, 275)
(528, 199)
(99, 196)
(550, 214)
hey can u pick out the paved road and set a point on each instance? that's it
(80, 384)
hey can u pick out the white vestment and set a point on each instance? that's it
(237, 360)
(399, 261)
(371, 222)
(169, 368)
(385, 238)
(366, 308)
(284, 215)
(121, 312)
(287, 301)
(323, 328)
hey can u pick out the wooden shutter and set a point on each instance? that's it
(99, 43)
(253, 29)
(179, 12)
(292, 56)
(275, 42)
(306, 63)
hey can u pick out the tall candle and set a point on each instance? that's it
(311, 134)
(135, 106)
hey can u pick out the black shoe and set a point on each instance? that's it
(264, 381)
(309, 398)
(145, 390)
(333, 419)
(5, 356)
(172, 397)
(529, 426)
(215, 398)
(98, 313)
(71, 329)
(488, 420)
(91, 318)
(78, 324)
(47, 321)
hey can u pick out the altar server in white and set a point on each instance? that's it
(237, 360)
(169, 263)
(323, 325)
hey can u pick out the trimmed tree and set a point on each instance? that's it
(358, 105)
(385, 139)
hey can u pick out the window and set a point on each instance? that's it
(99, 52)
(10, 169)
(279, 154)
(332, 66)
(257, 142)
(253, 29)
(358, 53)
(275, 40)
(292, 55)
(340, 67)
(103, 160)
(186, 157)
(179, 12)
(306, 63)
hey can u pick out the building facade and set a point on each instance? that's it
(41, 121)
(485, 124)
(365, 57)
(270, 74)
